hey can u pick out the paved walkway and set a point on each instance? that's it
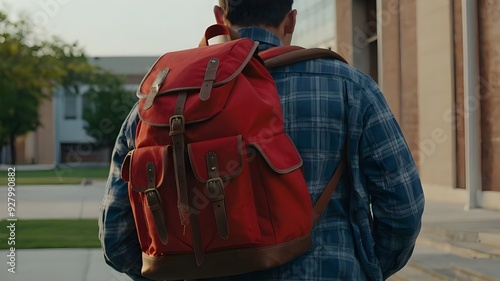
(88, 265)
(55, 201)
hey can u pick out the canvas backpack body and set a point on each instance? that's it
(214, 182)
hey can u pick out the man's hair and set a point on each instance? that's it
(246, 13)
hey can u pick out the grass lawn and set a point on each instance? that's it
(65, 175)
(39, 234)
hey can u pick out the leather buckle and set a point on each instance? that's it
(176, 125)
(153, 198)
(215, 189)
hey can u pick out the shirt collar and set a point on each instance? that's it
(266, 38)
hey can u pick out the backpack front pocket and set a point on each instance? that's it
(150, 175)
(225, 194)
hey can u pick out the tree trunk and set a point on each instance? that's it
(1, 151)
(12, 144)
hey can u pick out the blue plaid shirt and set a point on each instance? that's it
(369, 229)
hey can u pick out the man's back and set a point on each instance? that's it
(370, 226)
(325, 104)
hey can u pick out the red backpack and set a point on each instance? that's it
(214, 183)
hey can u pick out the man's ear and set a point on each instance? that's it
(219, 15)
(290, 21)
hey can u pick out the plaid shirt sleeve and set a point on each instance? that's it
(393, 183)
(117, 231)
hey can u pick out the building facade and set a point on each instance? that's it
(423, 55)
(62, 139)
(315, 23)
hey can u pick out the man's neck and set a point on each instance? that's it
(271, 29)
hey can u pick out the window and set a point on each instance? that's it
(70, 106)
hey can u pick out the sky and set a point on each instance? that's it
(119, 27)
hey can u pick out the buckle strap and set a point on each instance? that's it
(154, 204)
(155, 88)
(177, 125)
(215, 191)
(177, 133)
(186, 214)
(209, 79)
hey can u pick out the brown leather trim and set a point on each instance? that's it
(218, 30)
(168, 124)
(297, 55)
(177, 134)
(160, 78)
(187, 213)
(226, 177)
(209, 79)
(162, 174)
(285, 171)
(138, 92)
(215, 191)
(223, 263)
(154, 204)
(323, 200)
(197, 88)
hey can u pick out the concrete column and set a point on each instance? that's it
(459, 92)
(471, 103)
(389, 36)
(435, 92)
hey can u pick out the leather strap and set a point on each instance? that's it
(196, 234)
(215, 191)
(323, 200)
(219, 30)
(155, 88)
(285, 55)
(177, 124)
(154, 204)
(187, 213)
(209, 79)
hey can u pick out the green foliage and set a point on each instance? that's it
(30, 69)
(108, 104)
(27, 74)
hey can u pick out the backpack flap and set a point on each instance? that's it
(276, 151)
(228, 152)
(137, 163)
(202, 72)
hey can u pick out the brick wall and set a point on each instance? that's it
(489, 44)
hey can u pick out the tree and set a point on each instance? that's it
(27, 75)
(30, 69)
(107, 104)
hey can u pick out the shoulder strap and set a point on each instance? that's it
(215, 30)
(284, 55)
(323, 200)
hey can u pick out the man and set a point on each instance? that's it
(369, 229)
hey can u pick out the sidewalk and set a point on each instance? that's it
(453, 242)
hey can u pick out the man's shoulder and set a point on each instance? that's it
(330, 68)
